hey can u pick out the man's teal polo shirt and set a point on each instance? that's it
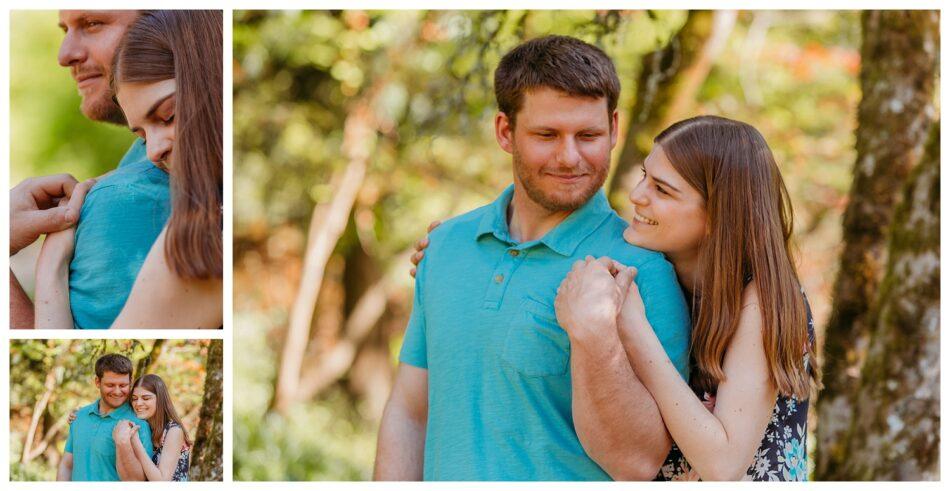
(90, 441)
(483, 325)
(121, 217)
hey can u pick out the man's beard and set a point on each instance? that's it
(552, 202)
(108, 402)
(103, 109)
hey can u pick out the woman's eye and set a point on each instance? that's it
(169, 120)
(662, 191)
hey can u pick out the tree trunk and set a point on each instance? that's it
(206, 463)
(899, 56)
(326, 226)
(39, 409)
(147, 365)
(896, 430)
(669, 80)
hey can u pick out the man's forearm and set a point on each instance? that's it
(64, 472)
(399, 452)
(127, 464)
(616, 418)
(21, 307)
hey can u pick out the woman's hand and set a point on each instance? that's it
(632, 312)
(588, 299)
(420, 248)
(72, 416)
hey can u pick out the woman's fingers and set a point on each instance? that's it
(433, 225)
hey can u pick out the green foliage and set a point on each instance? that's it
(324, 440)
(180, 364)
(48, 133)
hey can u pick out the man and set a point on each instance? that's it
(34, 211)
(126, 210)
(490, 387)
(91, 452)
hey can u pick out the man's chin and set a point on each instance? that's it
(96, 107)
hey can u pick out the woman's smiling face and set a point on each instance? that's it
(149, 108)
(144, 402)
(669, 215)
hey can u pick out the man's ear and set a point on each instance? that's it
(504, 132)
(614, 129)
(97, 382)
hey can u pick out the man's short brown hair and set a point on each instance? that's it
(559, 62)
(114, 363)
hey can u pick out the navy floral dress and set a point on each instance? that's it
(181, 471)
(782, 455)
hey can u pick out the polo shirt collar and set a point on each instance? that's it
(117, 413)
(562, 239)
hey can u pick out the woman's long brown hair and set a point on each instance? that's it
(186, 45)
(164, 408)
(749, 223)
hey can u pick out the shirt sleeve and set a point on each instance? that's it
(666, 310)
(414, 342)
(69, 441)
(145, 435)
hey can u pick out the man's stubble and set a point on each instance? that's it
(537, 194)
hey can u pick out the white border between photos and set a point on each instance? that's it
(227, 333)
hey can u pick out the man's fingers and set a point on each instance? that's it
(47, 221)
(46, 189)
(76, 200)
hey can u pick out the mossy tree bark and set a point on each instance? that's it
(899, 53)
(896, 425)
(206, 457)
(669, 80)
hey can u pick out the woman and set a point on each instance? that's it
(170, 460)
(713, 201)
(167, 80)
(172, 446)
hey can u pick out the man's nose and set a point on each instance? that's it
(71, 51)
(568, 154)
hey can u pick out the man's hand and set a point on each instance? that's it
(122, 431)
(34, 209)
(589, 298)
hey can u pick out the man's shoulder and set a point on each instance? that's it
(464, 225)
(127, 190)
(608, 241)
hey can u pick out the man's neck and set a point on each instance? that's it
(528, 221)
(105, 409)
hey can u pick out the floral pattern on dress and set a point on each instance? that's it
(181, 470)
(782, 455)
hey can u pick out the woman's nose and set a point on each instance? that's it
(158, 151)
(638, 196)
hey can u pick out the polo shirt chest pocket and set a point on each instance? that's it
(535, 345)
(103, 446)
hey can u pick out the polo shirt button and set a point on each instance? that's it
(513, 252)
(499, 278)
